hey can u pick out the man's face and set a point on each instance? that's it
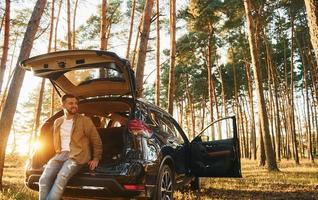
(70, 105)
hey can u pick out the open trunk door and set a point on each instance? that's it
(85, 73)
(215, 151)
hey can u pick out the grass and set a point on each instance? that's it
(292, 182)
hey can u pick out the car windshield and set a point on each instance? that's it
(108, 71)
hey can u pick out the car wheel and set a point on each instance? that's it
(165, 184)
(195, 184)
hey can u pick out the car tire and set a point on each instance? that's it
(165, 184)
(195, 184)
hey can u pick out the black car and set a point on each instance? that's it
(145, 152)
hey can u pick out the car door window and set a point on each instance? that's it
(220, 130)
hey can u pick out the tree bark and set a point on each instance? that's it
(251, 106)
(143, 45)
(172, 70)
(5, 47)
(312, 17)
(136, 43)
(74, 31)
(69, 33)
(291, 99)
(103, 22)
(157, 98)
(10, 104)
(270, 156)
(132, 17)
(56, 24)
(210, 82)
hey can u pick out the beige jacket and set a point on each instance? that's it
(84, 137)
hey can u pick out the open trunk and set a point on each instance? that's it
(110, 118)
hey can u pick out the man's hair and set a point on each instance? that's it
(65, 96)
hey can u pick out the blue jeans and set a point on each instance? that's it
(55, 176)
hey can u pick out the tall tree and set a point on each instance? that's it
(312, 17)
(143, 45)
(10, 104)
(253, 42)
(132, 17)
(5, 47)
(157, 99)
(69, 32)
(171, 86)
(74, 20)
(103, 23)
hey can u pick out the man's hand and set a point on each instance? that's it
(92, 164)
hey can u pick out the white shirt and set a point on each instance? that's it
(65, 132)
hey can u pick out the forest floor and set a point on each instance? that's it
(292, 182)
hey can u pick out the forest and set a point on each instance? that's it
(200, 60)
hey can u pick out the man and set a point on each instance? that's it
(72, 136)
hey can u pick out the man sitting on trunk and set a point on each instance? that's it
(72, 136)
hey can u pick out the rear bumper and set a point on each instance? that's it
(88, 186)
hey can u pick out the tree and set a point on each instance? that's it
(103, 23)
(5, 47)
(132, 17)
(171, 86)
(253, 40)
(157, 99)
(143, 45)
(10, 104)
(69, 32)
(312, 16)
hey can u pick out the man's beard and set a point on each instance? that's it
(71, 111)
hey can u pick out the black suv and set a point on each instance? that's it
(145, 152)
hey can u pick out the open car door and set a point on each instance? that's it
(215, 151)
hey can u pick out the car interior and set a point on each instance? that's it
(110, 119)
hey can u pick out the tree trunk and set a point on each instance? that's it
(74, 19)
(143, 45)
(262, 158)
(191, 109)
(51, 27)
(157, 98)
(203, 113)
(210, 83)
(103, 22)
(69, 33)
(10, 104)
(132, 17)
(39, 108)
(291, 99)
(312, 17)
(2, 21)
(270, 156)
(136, 43)
(252, 117)
(56, 24)
(103, 32)
(5, 47)
(172, 70)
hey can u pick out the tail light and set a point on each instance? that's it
(134, 187)
(138, 127)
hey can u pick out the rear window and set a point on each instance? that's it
(107, 71)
